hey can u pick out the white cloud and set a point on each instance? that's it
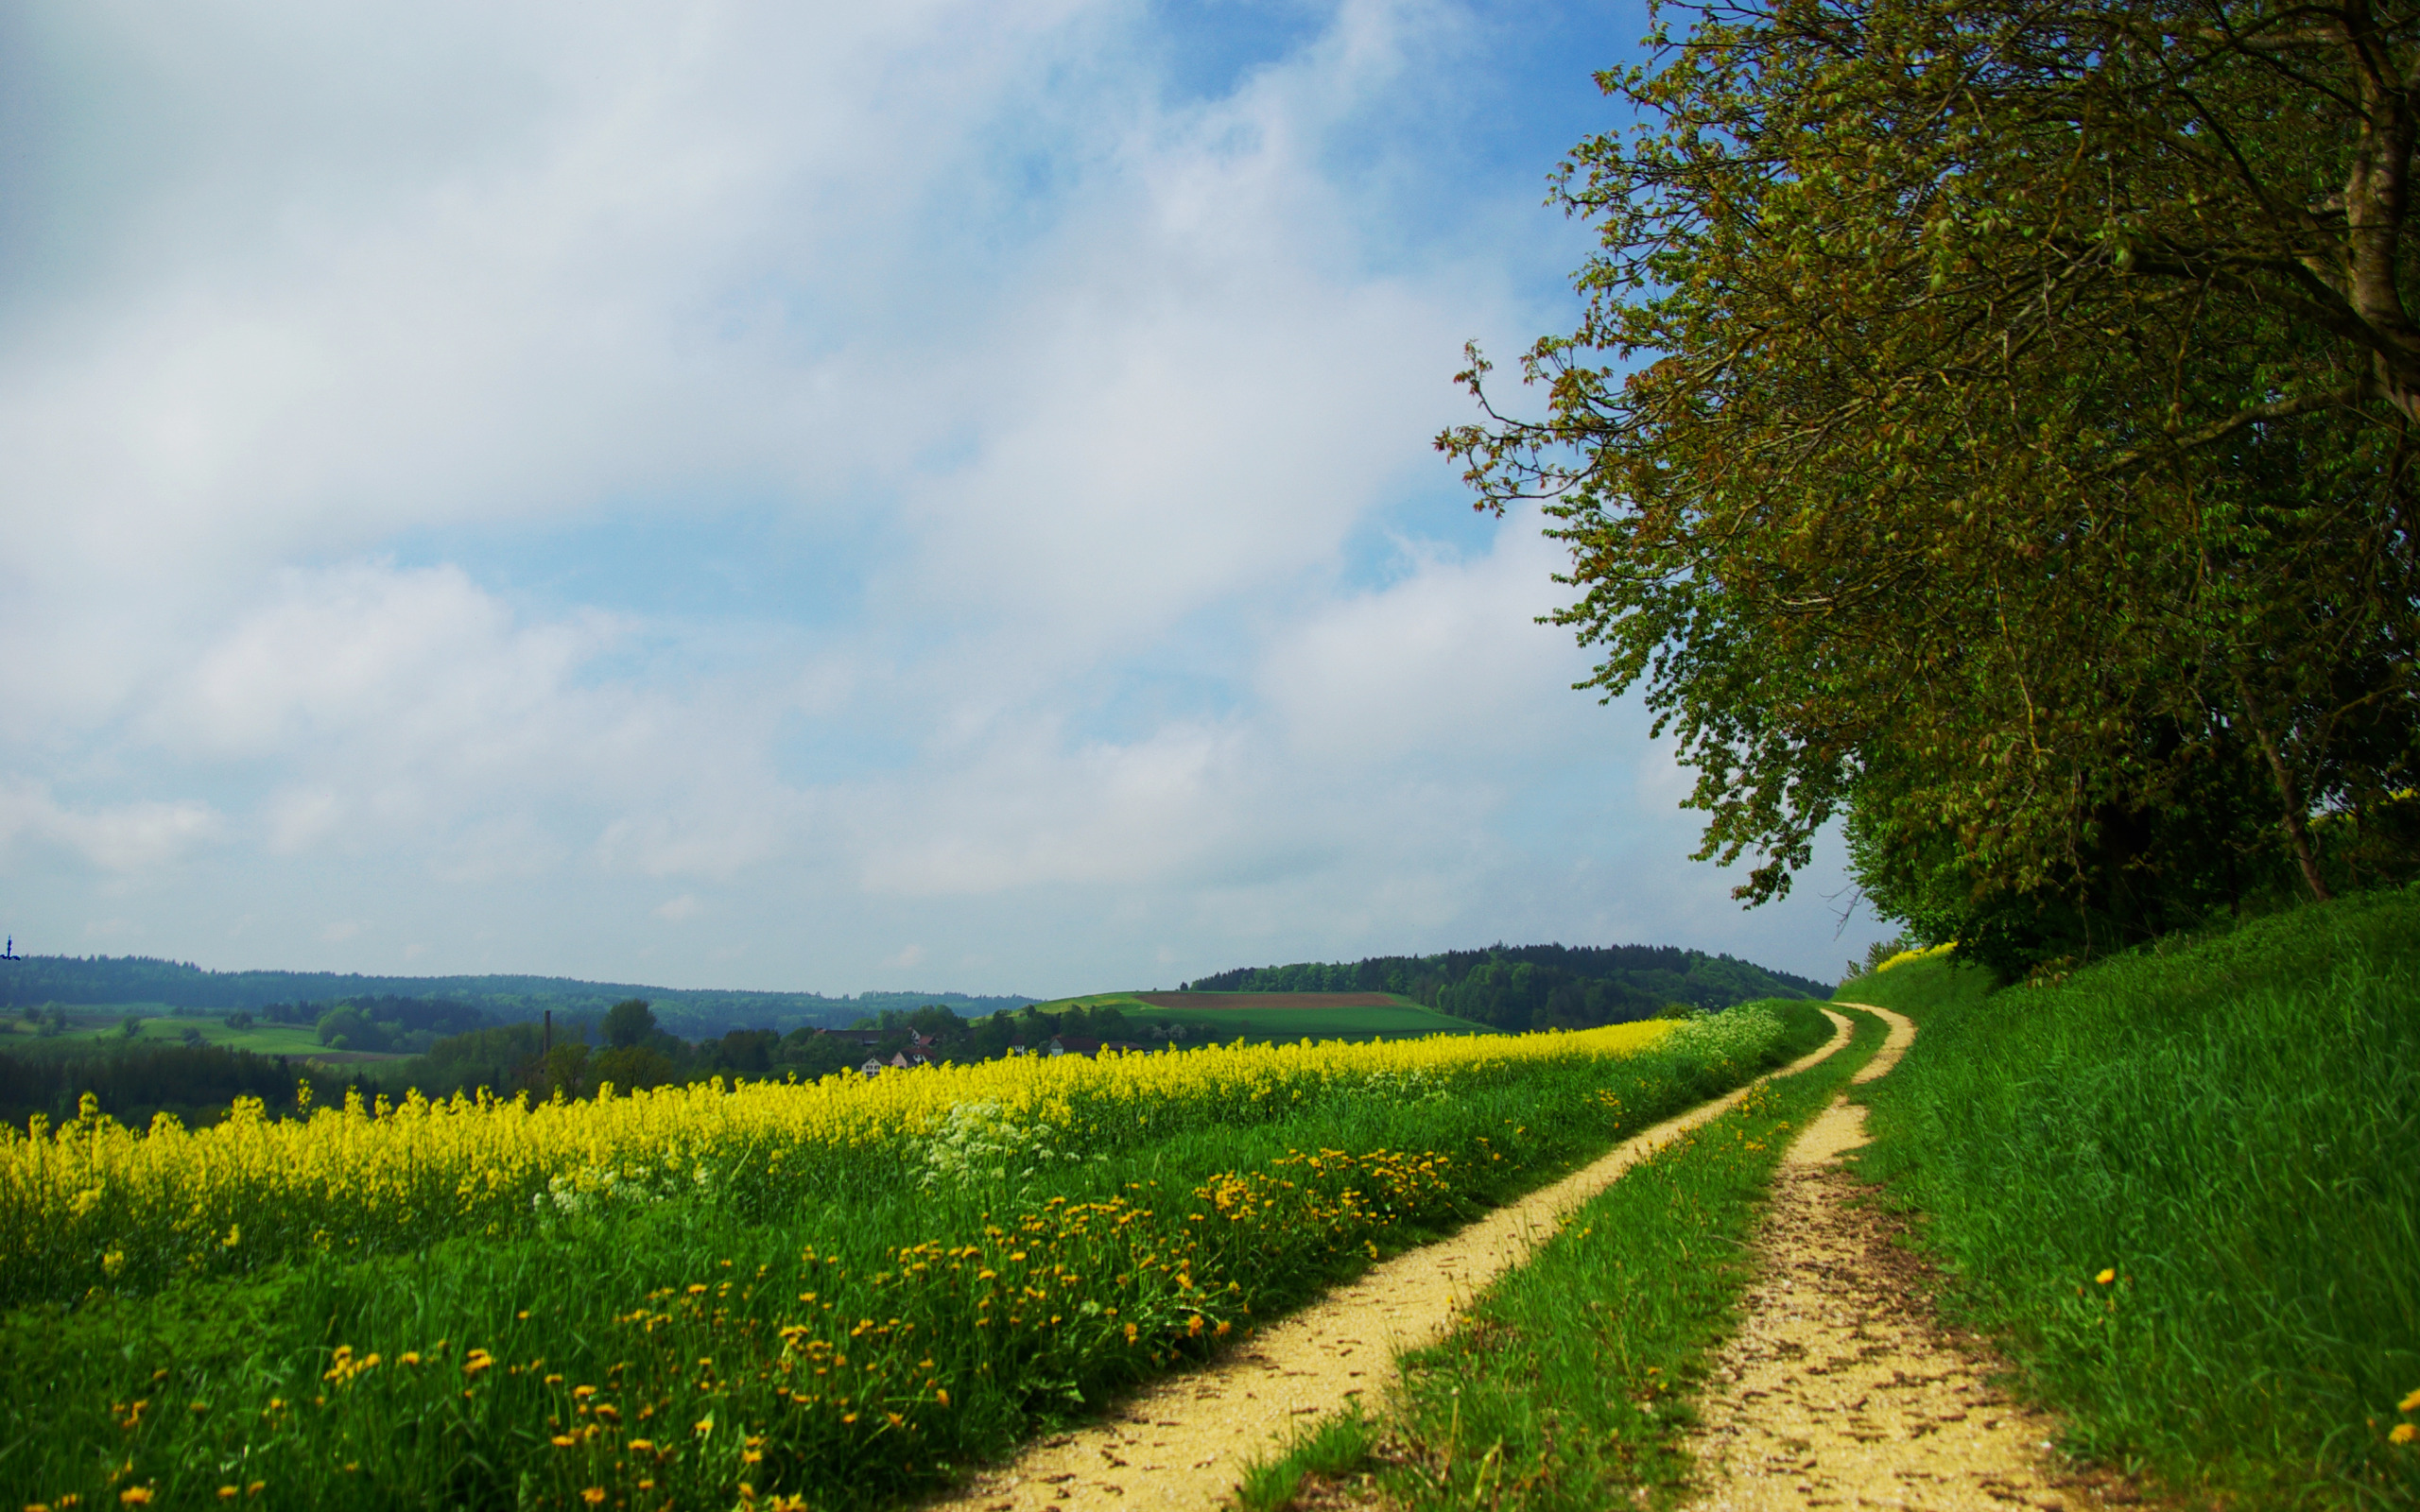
(1071, 403)
(118, 838)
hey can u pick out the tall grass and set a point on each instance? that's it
(1920, 987)
(2233, 1128)
(852, 1352)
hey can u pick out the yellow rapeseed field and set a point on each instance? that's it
(93, 1203)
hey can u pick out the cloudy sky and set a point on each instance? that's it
(927, 495)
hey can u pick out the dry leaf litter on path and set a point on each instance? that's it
(1842, 1389)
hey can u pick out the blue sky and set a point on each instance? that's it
(934, 495)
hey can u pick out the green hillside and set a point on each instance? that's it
(1515, 987)
(2223, 1128)
(138, 983)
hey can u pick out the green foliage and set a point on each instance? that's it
(630, 1024)
(1567, 1385)
(494, 1059)
(1992, 418)
(194, 1084)
(632, 1067)
(1541, 987)
(2228, 1124)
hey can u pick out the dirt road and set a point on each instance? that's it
(1184, 1442)
(1840, 1388)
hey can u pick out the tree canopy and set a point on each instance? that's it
(1992, 420)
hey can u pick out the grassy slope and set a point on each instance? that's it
(1919, 988)
(434, 1434)
(1567, 1385)
(91, 1030)
(2233, 1126)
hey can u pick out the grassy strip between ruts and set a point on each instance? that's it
(2183, 1188)
(1568, 1384)
(848, 1353)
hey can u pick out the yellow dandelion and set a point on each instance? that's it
(2410, 1403)
(2106, 1276)
(2403, 1433)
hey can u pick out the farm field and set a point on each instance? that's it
(1221, 1016)
(88, 1027)
(839, 1292)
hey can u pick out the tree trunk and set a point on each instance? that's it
(2288, 794)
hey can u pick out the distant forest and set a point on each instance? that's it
(101, 980)
(1536, 986)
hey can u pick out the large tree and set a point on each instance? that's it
(1995, 418)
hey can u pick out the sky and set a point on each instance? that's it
(928, 496)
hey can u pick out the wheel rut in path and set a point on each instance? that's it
(1840, 1388)
(1184, 1442)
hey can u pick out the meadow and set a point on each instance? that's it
(89, 1028)
(2183, 1185)
(834, 1293)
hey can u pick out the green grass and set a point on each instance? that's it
(1920, 988)
(103, 1028)
(1567, 1385)
(675, 1314)
(2233, 1126)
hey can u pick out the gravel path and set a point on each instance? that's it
(1184, 1442)
(1840, 1390)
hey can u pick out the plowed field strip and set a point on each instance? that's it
(1238, 1002)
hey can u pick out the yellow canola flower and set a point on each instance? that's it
(80, 1201)
(1904, 957)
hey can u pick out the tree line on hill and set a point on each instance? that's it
(1993, 424)
(1536, 986)
(101, 980)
